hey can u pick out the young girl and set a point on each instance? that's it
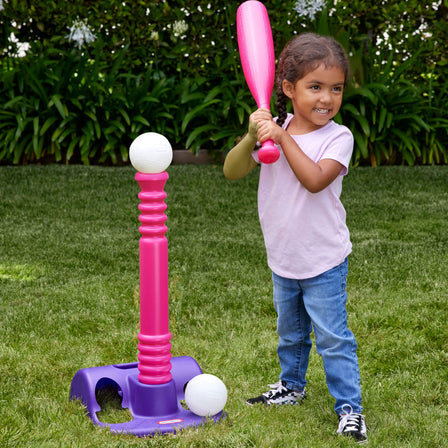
(303, 223)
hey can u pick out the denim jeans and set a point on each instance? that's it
(318, 303)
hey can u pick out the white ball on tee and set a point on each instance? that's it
(150, 153)
(205, 395)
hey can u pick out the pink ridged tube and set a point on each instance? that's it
(154, 337)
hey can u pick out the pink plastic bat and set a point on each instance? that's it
(258, 61)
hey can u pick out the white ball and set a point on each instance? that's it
(151, 153)
(205, 395)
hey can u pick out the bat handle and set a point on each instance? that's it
(268, 153)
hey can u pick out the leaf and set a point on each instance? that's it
(97, 127)
(351, 108)
(12, 102)
(36, 137)
(48, 123)
(419, 120)
(71, 148)
(194, 112)
(77, 103)
(367, 93)
(382, 119)
(224, 133)
(63, 136)
(192, 137)
(361, 141)
(213, 93)
(124, 153)
(141, 120)
(56, 100)
(91, 115)
(119, 125)
(125, 116)
(364, 124)
(408, 141)
(389, 119)
(57, 133)
(190, 97)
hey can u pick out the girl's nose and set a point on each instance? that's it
(325, 96)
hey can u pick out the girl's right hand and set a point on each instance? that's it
(260, 115)
(256, 118)
(266, 127)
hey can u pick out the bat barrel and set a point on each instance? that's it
(256, 49)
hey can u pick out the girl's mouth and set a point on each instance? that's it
(321, 111)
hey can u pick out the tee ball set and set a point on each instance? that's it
(153, 388)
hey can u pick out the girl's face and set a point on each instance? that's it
(316, 98)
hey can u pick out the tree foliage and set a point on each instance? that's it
(185, 55)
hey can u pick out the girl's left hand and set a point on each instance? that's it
(269, 130)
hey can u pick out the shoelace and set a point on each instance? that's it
(279, 387)
(276, 387)
(349, 421)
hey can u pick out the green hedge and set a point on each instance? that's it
(173, 67)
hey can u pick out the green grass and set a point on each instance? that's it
(69, 300)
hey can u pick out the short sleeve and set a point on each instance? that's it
(340, 148)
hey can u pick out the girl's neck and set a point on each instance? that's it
(298, 127)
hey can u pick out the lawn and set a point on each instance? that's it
(69, 299)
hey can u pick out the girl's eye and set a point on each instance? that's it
(316, 87)
(338, 89)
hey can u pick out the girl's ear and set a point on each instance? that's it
(288, 88)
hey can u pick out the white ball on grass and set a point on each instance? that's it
(150, 153)
(205, 395)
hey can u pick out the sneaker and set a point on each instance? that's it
(278, 394)
(352, 424)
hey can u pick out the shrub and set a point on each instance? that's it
(173, 68)
(85, 111)
(79, 108)
(393, 119)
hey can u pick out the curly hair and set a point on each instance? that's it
(303, 54)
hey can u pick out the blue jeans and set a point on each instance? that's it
(318, 303)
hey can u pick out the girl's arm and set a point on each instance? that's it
(239, 161)
(313, 176)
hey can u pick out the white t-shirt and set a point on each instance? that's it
(305, 233)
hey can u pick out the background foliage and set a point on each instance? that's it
(173, 67)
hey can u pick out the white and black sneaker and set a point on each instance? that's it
(352, 424)
(278, 394)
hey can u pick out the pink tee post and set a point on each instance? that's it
(152, 389)
(154, 337)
